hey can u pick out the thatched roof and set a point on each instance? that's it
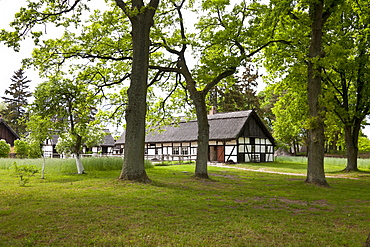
(222, 127)
(54, 139)
(108, 140)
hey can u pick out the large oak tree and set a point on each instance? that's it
(222, 42)
(303, 23)
(140, 16)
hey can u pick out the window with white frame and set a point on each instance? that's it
(175, 150)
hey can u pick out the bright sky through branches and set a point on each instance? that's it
(10, 61)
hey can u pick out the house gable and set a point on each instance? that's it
(7, 133)
(255, 128)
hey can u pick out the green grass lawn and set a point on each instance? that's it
(291, 164)
(233, 208)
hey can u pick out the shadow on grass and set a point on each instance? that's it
(359, 172)
(293, 166)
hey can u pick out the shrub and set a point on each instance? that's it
(24, 172)
(34, 150)
(4, 149)
(148, 164)
(21, 148)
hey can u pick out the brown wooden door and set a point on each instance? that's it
(220, 153)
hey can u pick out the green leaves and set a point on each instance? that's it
(4, 149)
(68, 108)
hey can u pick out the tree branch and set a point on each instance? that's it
(47, 15)
(216, 80)
(165, 69)
(267, 44)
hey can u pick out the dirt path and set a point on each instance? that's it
(283, 173)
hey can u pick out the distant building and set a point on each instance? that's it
(234, 137)
(49, 147)
(105, 148)
(7, 133)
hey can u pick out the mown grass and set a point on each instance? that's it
(234, 208)
(291, 164)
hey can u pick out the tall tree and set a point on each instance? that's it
(342, 66)
(319, 13)
(141, 18)
(17, 101)
(222, 44)
(303, 23)
(140, 15)
(347, 73)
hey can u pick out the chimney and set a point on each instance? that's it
(213, 111)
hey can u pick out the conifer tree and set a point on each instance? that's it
(16, 101)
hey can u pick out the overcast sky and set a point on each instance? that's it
(10, 61)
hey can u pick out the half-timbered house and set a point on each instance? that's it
(104, 148)
(234, 137)
(7, 133)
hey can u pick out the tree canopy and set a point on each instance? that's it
(68, 108)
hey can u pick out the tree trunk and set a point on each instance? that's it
(315, 169)
(351, 138)
(43, 166)
(294, 148)
(80, 167)
(203, 135)
(133, 166)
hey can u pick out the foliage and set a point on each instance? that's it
(290, 116)
(237, 96)
(67, 142)
(21, 148)
(68, 108)
(4, 149)
(17, 102)
(340, 63)
(24, 172)
(363, 144)
(34, 150)
(27, 149)
(2, 106)
(39, 130)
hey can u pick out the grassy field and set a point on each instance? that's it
(234, 208)
(291, 164)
